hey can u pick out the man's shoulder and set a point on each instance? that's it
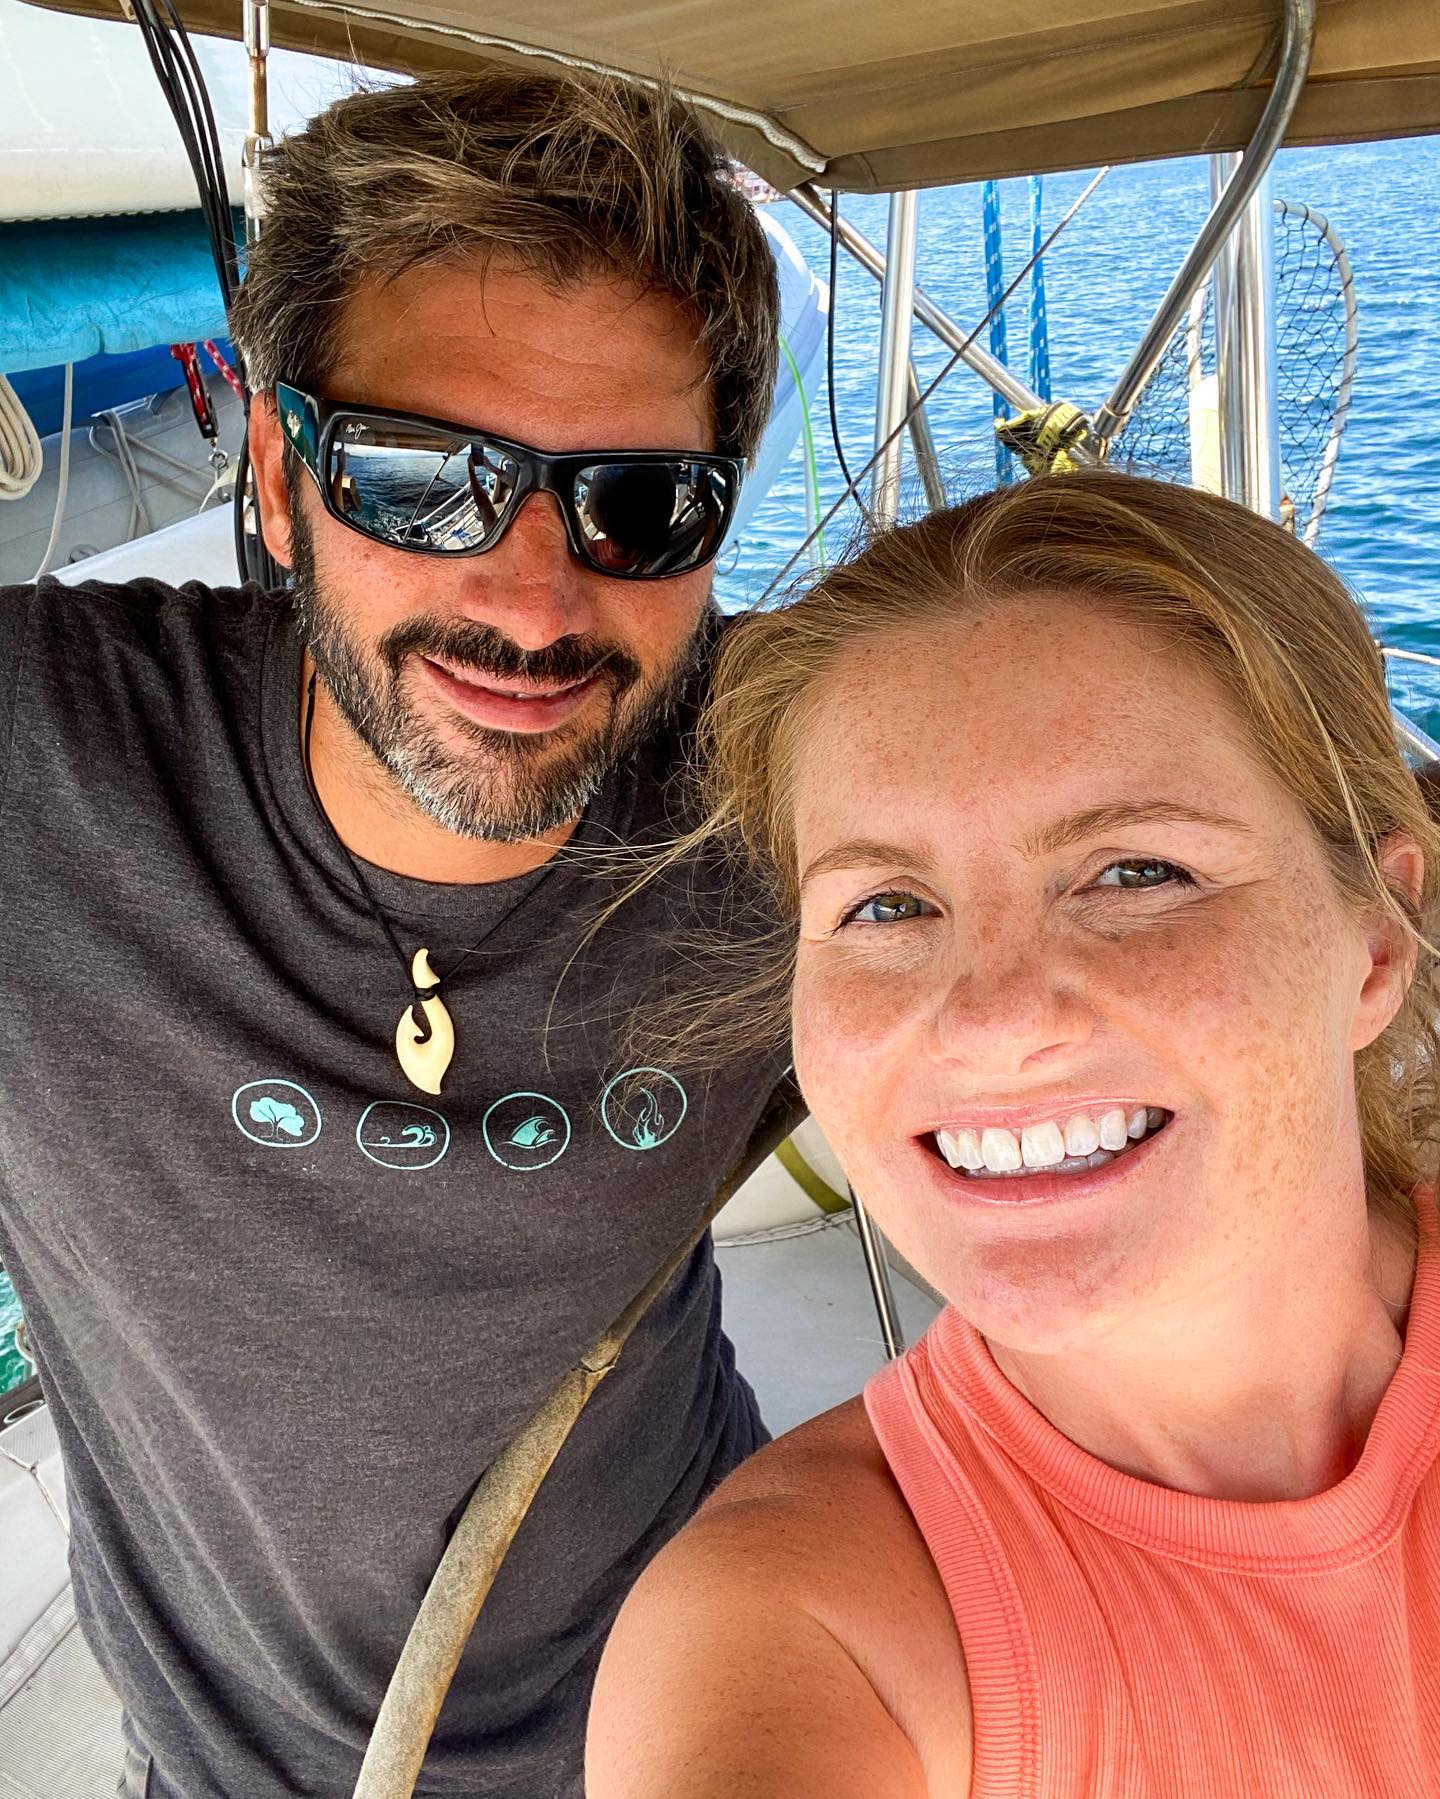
(88, 657)
(135, 609)
(98, 641)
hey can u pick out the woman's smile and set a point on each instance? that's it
(1068, 1179)
(1065, 1144)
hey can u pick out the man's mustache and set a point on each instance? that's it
(483, 650)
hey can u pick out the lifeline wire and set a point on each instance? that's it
(926, 392)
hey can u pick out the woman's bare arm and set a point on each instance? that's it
(719, 1682)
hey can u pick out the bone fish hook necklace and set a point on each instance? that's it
(425, 1033)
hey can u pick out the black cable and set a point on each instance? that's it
(227, 259)
(182, 82)
(830, 356)
(252, 556)
(237, 508)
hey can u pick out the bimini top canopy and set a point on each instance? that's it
(870, 95)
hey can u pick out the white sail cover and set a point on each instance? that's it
(84, 129)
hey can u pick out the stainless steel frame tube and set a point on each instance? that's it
(257, 139)
(1245, 348)
(1289, 80)
(892, 397)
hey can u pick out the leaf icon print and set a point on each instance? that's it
(279, 1115)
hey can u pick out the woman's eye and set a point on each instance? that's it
(888, 908)
(1143, 871)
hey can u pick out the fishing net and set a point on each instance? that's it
(1315, 358)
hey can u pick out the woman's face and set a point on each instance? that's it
(1077, 999)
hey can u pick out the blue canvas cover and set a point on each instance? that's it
(75, 288)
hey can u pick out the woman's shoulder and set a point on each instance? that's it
(826, 1479)
(801, 1598)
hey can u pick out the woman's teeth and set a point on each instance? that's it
(1085, 1141)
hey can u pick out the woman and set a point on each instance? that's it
(1110, 991)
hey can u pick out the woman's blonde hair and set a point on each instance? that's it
(1271, 623)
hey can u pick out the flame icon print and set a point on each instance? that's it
(643, 1108)
(648, 1128)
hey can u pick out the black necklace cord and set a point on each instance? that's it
(419, 994)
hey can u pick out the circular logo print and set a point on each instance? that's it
(643, 1108)
(277, 1114)
(526, 1130)
(396, 1134)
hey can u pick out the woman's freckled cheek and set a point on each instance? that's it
(854, 1043)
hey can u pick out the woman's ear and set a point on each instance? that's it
(267, 459)
(1390, 944)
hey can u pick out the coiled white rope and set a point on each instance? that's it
(21, 458)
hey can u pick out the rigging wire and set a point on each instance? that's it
(926, 392)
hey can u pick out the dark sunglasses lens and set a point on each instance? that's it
(652, 518)
(418, 487)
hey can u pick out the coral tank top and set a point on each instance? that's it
(1126, 1641)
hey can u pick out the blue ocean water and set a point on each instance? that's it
(1104, 278)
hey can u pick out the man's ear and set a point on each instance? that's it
(267, 460)
(1390, 944)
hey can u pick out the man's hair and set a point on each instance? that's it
(571, 178)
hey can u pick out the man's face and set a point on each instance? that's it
(498, 690)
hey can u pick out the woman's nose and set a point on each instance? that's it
(1012, 1014)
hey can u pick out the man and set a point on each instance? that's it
(295, 1268)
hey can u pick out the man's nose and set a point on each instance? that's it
(1011, 1014)
(530, 586)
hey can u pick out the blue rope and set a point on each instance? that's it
(994, 290)
(1039, 324)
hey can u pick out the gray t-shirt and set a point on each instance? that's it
(287, 1308)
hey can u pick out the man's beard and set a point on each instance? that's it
(510, 786)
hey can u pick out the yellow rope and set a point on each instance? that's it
(1042, 438)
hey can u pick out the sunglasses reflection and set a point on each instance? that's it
(623, 517)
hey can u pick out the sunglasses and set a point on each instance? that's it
(443, 490)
